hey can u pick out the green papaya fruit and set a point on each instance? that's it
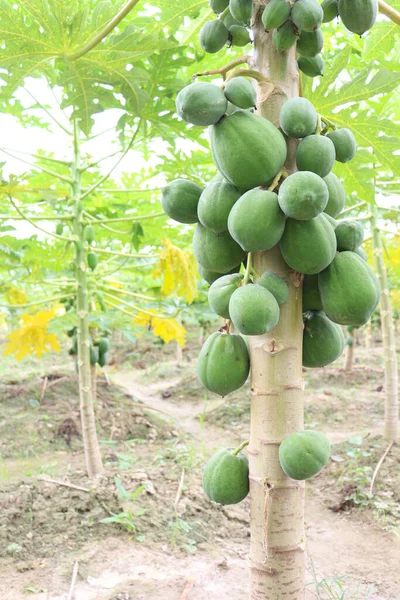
(316, 153)
(253, 310)
(226, 477)
(348, 290)
(256, 222)
(307, 15)
(201, 103)
(103, 345)
(311, 297)
(275, 14)
(215, 204)
(221, 291)
(241, 92)
(239, 36)
(247, 149)
(223, 365)
(345, 144)
(72, 332)
(362, 253)
(331, 10)
(303, 195)
(308, 246)
(92, 260)
(103, 359)
(276, 285)
(75, 345)
(229, 21)
(350, 341)
(94, 355)
(59, 228)
(241, 10)
(323, 341)
(89, 234)
(310, 43)
(312, 67)
(337, 195)
(298, 118)
(349, 235)
(213, 36)
(180, 199)
(304, 454)
(358, 15)
(218, 6)
(285, 37)
(218, 253)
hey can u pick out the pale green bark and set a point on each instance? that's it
(277, 502)
(391, 427)
(94, 463)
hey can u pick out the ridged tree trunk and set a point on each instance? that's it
(348, 364)
(391, 430)
(368, 336)
(94, 463)
(277, 502)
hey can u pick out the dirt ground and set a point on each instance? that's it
(157, 427)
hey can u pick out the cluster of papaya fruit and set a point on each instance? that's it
(226, 475)
(99, 347)
(252, 205)
(292, 22)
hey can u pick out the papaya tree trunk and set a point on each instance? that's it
(94, 463)
(277, 560)
(368, 336)
(348, 365)
(391, 427)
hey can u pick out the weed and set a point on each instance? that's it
(127, 518)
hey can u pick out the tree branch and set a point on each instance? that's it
(103, 33)
(25, 218)
(38, 167)
(389, 11)
(124, 254)
(224, 70)
(38, 302)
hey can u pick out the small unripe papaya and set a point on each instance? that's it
(275, 14)
(331, 10)
(241, 92)
(92, 260)
(239, 36)
(358, 15)
(213, 36)
(312, 67)
(89, 234)
(345, 144)
(218, 6)
(310, 43)
(285, 37)
(241, 10)
(59, 228)
(307, 15)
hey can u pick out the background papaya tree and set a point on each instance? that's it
(277, 504)
(96, 59)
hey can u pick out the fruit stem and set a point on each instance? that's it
(330, 123)
(240, 448)
(249, 73)
(224, 70)
(249, 268)
(319, 126)
(275, 181)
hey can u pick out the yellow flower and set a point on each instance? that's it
(14, 296)
(32, 337)
(166, 329)
(178, 271)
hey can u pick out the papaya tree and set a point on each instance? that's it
(95, 58)
(281, 225)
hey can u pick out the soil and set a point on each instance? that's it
(157, 427)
